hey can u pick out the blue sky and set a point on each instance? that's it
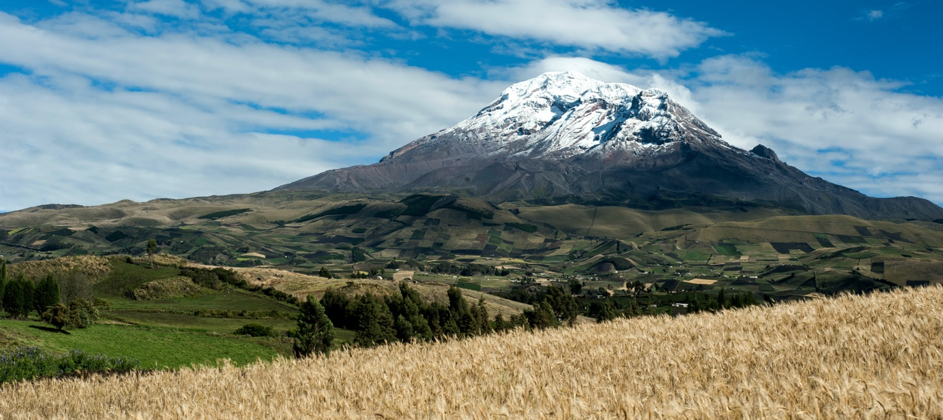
(102, 101)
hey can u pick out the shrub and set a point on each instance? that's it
(58, 315)
(256, 330)
(84, 313)
(28, 363)
(79, 313)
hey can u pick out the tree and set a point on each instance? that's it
(18, 297)
(325, 273)
(3, 280)
(83, 313)
(541, 316)
(602, 311)
(564, 306)
(575, 286)
(58, 315)
(721, 299)
(375, 324)
(47, 294)
(337, 307)
(75, 285)
(404, 329)
(79, 313)
(151, 250)
(315, 333)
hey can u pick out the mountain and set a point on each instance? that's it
(563, 137)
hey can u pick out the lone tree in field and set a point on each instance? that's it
(315, 333)
(151, 250)
(58, 315)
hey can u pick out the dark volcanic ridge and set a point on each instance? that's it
(563, 137)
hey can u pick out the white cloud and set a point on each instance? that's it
(873, 15)
(845, 126)
(102, 112)
(131, 116)
(590, 24)
(838, 123)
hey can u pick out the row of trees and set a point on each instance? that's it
(20, 296)
(407, 317)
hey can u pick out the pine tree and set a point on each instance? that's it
(338, 307)
(375, 324)
(3, 280)
(404, 329)
(18, 297)
(47, 294)
(483, 321)
(564, 306)
(315, 333)
(541, 316)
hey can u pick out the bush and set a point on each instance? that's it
(28, 363)
(79, 313)
(256, 330)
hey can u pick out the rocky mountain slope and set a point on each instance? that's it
(564, 137)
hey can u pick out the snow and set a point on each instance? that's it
(566, 114)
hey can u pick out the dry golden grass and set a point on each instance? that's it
(707, 282)
(879, 356)
(94, 267)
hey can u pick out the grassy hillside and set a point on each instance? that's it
(687, 250)
(850, 357)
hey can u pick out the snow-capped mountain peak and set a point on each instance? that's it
(563, 137)
(568, 115)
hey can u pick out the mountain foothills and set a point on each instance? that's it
(563, 137)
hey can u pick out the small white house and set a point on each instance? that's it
(679, 305)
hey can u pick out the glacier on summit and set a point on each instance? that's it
(565, 115)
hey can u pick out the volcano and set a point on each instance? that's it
(563, 137)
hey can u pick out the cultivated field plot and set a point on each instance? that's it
(877, 356)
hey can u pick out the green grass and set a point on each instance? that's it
(154, 347)
(224, 213)
(470, 286)
(124, 277)
(729, 250)
(194, 323)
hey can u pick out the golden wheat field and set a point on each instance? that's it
(879, 356)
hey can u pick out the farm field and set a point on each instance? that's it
(848, 357)
(155, 347)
